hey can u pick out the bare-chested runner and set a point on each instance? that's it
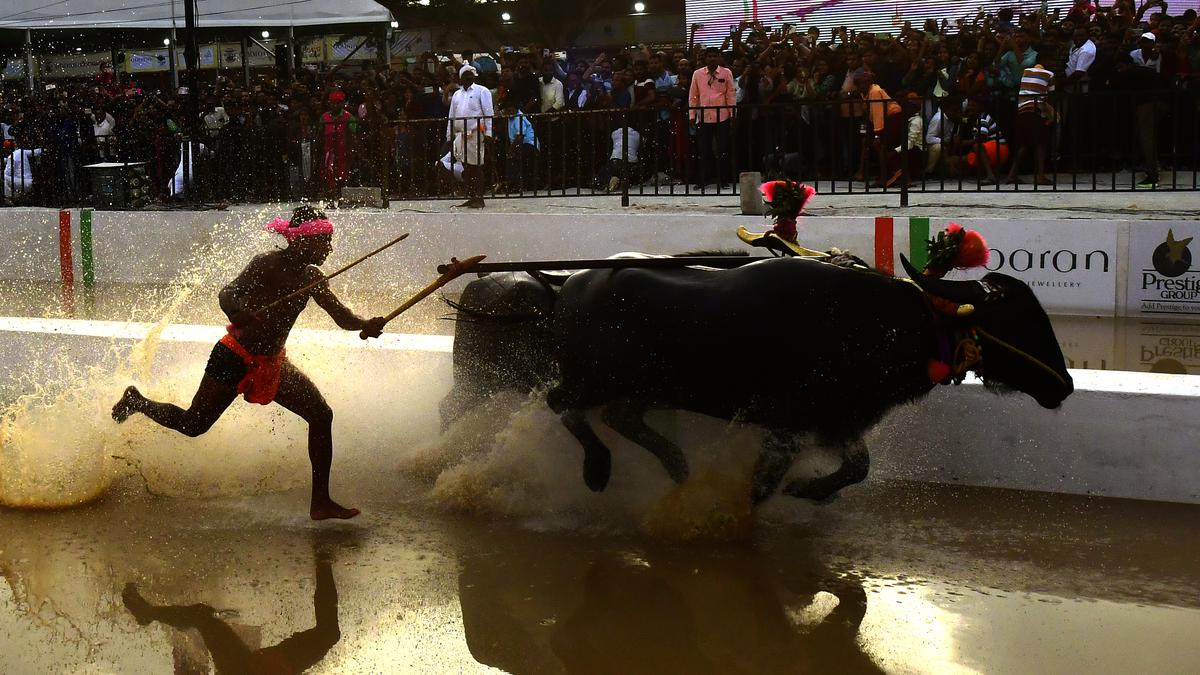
(250, 359)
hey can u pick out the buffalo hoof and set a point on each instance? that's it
(597, 468)
(677, 468)
(811, 491)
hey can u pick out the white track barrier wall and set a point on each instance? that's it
(1075, 266)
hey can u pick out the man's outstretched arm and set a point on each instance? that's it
(342, 315)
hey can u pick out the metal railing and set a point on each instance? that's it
(1098, 141)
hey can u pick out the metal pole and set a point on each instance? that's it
(625, 157)
(29, 59)
(171, 62)
(191, 57)
(291, 52)
(385, 49)
(246, 61)
(171, 54)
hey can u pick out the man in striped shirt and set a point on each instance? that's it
(1035, 116)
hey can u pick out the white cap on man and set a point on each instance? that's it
(465, 68)
(1149, 36)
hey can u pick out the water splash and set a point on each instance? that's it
(512, 458)
(57, 441)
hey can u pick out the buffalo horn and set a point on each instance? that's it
(963, 292)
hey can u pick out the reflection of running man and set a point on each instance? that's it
(250, 360)
(295, 654)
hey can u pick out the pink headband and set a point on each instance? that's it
(309, 228)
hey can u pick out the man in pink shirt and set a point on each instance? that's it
(712, 89)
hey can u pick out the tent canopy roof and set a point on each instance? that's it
(210, 13)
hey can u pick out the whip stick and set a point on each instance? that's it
(304, 289)
(721, 261)
(449, 273)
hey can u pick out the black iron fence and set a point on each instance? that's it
(1096, 141)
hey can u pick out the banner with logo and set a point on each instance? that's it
(73, 65)
(1071, 266)
(148, 61)
(260, 57)
(231, 55)
(409, 42)
(313, 51)
(158, 59)
(207, 56)
(14, 69)
(1163, 280)
(343, 46)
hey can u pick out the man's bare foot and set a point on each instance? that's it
(127, 405)
(330, 509)
(136, 604)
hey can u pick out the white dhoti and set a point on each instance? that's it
(468, 147)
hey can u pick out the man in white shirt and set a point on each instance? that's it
(1147, 61)
(552, 90)
(103, 126)
(1079, 61)
(576, 93)
(16, 172)
(939, 133)
(470, 120)
(1074, 113)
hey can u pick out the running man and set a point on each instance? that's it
(250, 360)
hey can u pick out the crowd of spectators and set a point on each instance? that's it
(989, 99)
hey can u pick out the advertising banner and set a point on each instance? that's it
(313, 51)
(231, 55)
(148, 61)
(158, 59)
(207, 56)
(1071, 266)
(342, 47)
(1163, 279)
(259, 57)
(409, 42)
(73, 65)
(13, 69)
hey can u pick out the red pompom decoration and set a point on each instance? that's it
(806, 193)
(956, 247)
(785, 198)
(973, 251)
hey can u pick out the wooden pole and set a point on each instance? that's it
(723, 262)
(449, 273)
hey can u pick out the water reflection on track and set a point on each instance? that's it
(892, 577)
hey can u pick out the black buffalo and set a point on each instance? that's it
(812, 352)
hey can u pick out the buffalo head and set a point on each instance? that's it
(1019, 348)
